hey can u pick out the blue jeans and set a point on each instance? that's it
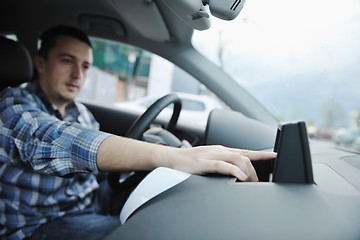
(93, 223)
(83, 225)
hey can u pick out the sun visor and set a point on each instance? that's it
(145, 17)
(95, 25)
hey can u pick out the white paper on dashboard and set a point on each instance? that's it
(156, 182)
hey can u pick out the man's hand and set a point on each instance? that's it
(223, 160)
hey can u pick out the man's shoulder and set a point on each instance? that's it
(18, 92)
(81, 107)
(19, 96)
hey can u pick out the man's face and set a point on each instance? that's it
(63, 73)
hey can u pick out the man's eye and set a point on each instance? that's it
(86, 67)
(66, 60)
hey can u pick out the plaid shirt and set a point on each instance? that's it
(45, 161)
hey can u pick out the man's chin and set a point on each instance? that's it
(69, 97)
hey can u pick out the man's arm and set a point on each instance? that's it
(60, 148)
(32, 138)
(123, 154)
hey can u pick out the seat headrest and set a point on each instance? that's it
(16, 66)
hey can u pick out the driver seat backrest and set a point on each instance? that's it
(16, 66)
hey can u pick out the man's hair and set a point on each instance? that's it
(48, 38)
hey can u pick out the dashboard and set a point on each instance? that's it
(326, 205)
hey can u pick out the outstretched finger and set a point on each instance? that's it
(258, 155)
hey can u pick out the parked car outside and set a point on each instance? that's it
(195, 108)
(345, 137)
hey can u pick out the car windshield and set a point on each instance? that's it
(300, 59)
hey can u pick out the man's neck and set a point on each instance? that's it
(62, 109)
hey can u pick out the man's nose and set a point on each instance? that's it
(77, 71)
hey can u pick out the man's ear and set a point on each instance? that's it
(39, 63)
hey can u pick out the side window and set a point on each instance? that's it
(131, 79)
(11, 36)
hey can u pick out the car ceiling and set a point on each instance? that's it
(143, 23)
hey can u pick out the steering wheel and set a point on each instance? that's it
(143, 122)
(125, 186)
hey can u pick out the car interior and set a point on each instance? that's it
(309, 192)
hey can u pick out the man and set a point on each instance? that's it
(52, 151)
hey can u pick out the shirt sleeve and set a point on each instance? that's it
(33, 138)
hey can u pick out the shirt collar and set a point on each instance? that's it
(71, 108)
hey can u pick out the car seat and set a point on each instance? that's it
(16, 66)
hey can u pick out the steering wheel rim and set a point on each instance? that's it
(136, 131)
(143, 122)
